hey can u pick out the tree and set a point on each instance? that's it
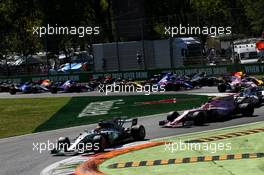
(255, 15)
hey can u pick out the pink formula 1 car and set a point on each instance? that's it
(235, 83)
(218, 108)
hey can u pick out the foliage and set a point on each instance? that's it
(19, 17)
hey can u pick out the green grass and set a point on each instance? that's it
(22, 116)
(244, 144)
(67, 116)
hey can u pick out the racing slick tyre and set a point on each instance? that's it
(78, 89)
(99, 143)
(172, 116)
(63, 143)
(12, 91)
(176, 87)
(172, 87)
(247, 110)
(210, 82)
(54, 90)
(169, 87)
(34, 90)
(162, 123)
(138, 132)
(221, 87)
(259, 103)
(199, 118)
(237, 88)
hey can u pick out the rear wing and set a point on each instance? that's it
(123, 120)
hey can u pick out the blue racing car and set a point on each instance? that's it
(70, 86)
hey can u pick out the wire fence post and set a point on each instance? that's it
(117, 50)
(46, 54)
(143, 44)
(170, 44)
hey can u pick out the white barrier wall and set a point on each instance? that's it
(157, 55)
(162, 53)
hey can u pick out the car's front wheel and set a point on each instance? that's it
(172, 116)
(63, 143)
(199, 118)
(247, 110)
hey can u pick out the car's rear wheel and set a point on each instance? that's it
(247, 110)
(12, 91)
(237, 88)
(54, 90)
(176, 87)
(100, 143)
(78, 89)
(169, 87)
(221, 87)
(138, 132)
(210, 82)
(34, 90)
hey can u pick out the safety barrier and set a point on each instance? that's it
(143, 74)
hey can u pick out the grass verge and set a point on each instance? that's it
(22, 116)
(243, 144)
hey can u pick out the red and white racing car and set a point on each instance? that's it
(218, 108)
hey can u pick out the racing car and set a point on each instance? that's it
(253, 95)
(235, 85)
(4, 86)
(217, 108)
(69, 86)
(172, 82)
(27, 88)
(202, 79)
(237, 81)
(108, 133)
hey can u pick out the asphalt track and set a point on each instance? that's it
(97, 93)
(18, 158)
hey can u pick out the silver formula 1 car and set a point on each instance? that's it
(218, 108)
(253, 95)
(107, 134)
